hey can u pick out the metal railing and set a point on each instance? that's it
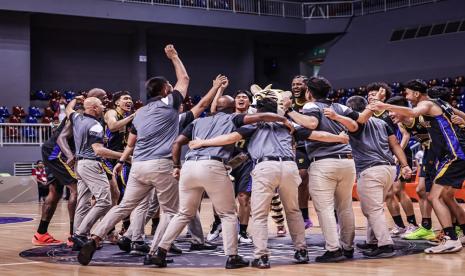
(24, 134)
(307, 10)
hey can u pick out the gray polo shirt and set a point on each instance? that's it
(271, 139)
(320, 149)
(87, 130)
(370, 145)
(157, 126)
(210, 127)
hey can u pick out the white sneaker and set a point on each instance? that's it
(446, 246)
(397, 231)
(461, 238)
(214, 232)
(409, 229)
(245, 239)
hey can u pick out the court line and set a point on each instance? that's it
(19, 263)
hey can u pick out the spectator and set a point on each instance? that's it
(41, 177)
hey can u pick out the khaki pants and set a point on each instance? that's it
(143, 178)
(372, 187)
(268, 176)
(146, 210)
(93, 182)
(330, 185)
(196, 177)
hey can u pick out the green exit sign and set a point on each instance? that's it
(319, 52)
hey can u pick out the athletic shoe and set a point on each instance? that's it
(78, 242)
(236, 261)
(201, 247)
(175, 250)
(397, 231)
(44, 239)
(437, 239)
(461, 238)
(446, 246)
(385, 251)
(87, 252)
(301, 256)
(349, 254)
(244, 238)
(410, 229)
(158, 259)
(331, 257)
(366, 246)
(214, 232)
(281, 232)
(420, 233)
(263, 262)
(69, 242)
(308, 223)
(139, 248)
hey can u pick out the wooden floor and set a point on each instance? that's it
(15, 238)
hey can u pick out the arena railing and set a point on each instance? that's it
(304, 10)
(24, 134)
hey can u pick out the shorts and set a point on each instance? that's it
(242, 177)
(58, 171)
(450, 173)
(427, 169)
(108, 166)
(122, 180)
(301, 159)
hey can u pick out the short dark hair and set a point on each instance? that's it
(319, 87)
(377, 85)
(303, 77)
(118, 95)
(398, 100)
(39, 161)
(416, 85)
(155, 85)
(439, 92)
(357, 103)
(246, 92)
(267, 105)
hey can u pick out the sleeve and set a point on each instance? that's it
(311, 109)
(73, 116)
(346, 111)
(246, 131)
(359, 129)
(389, 130)
(133, 130)
(301, 133)
(177, 99)
(185, 119)
(238, 120)
(96, 134)
(188, 131)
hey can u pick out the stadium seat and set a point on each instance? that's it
(18, 111)
(2, 120)
(69, 95)
(55, 94)
(4, 113)
(31, 120)
(41, 95)
(35, 111)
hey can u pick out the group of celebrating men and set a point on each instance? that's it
(128, 168)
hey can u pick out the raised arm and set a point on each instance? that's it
(182, 77)
(112, 122)
(225, 139)
(212, 93)
(217, 96)
(347, 122)
(62, 142)
(423, 108)
(364, 116)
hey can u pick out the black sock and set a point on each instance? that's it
(304, 212)
(412, 220)
(455, 224)
(155, 222)
(462, 226)
(71, 232)
(426, 223)
(126, 224)
(111, 230)
(243, 228)
(43, 227)
(398, 221)
(450, 231)
(217, 219)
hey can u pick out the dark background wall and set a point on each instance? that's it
(365, 54)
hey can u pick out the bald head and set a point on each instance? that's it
(93, 106)
(224, 103)
(91, 102)
(97, 93)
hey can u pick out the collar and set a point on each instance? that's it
(154, 99)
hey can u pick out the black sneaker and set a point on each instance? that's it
(124, 244)
(301, 256)
(330, 257)
(203, 246)
(366, 246)
(148, 260)
(87, 252)
(261, 262)
(175, 250)
(139, 248)
(385, 251)
(158, 259)
(236, 261)
(349, 254)
(78, 241)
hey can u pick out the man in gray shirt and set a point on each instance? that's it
(271, 149)
(332, 170)
(155, 128)
(88, 139)
(204, 170)
(372, 146)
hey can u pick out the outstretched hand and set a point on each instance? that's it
(220, 81)
(328, 112)
(170, 51)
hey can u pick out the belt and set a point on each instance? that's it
(85, 158)
(198, 158)
(380, 164)
(273, 158)
(333, 156)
